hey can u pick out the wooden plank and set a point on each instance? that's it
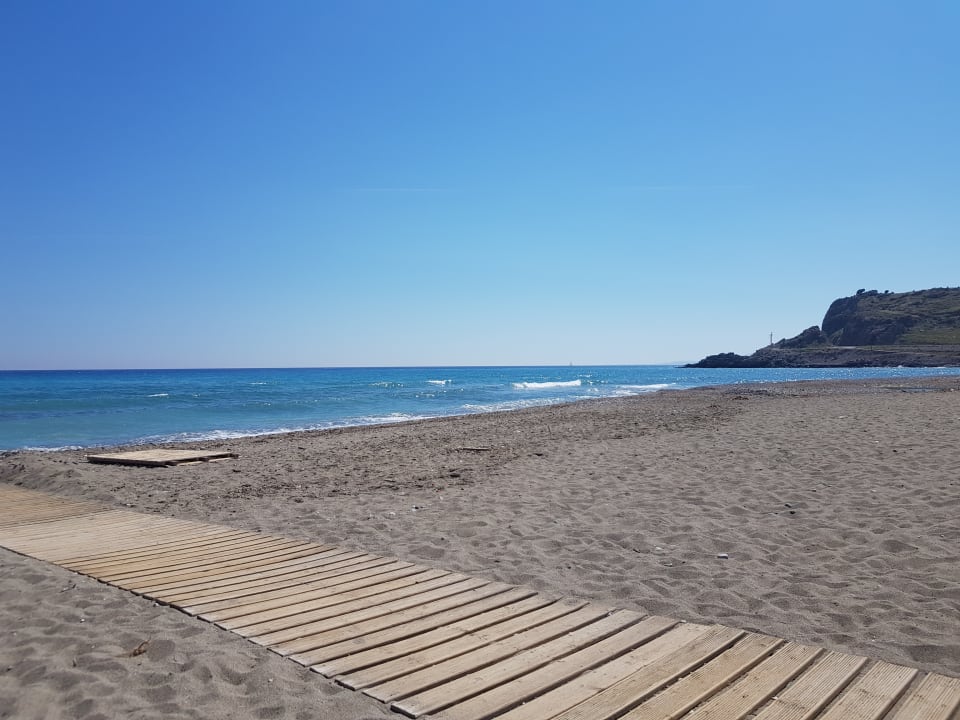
(142, 585)
(39, 516)
(160, 568)
(54, 531)
(367, 649)
(429, 675)
(686, 694)
(340, 569)
(187, 544)
(575, 691)
(936, 698)
(19, 504)
(18, 491)
(152, 586)
(758, 685)
(200, 565)
(283, 630)
(400, 621)
(610, 632)
(382, 616)
(19, 496)
(384, 591)
(160, 457)
(319, 559)
(305, 584)
(78, 539)
(642, 684)
(52, 544)
(188, 529)
(279, 629)
(217, 586)
(187, 558)
(89, 535)
(152, 546)
(22, 511)
(189, 548)
(502, 697)
(128, 529)
(18, 513)
(872, 695)
(814, 689)
(304, 592)
(383, 664)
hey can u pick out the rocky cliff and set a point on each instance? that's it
(868, 329)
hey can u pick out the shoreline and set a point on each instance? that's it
(836, 502)
(161, 425)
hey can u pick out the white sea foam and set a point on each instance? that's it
(439, 382)
(209, 435)
(546, 385)
(159, 395)
(385, 419)
(505, 405)
(53, 449)
(640, 389)
(214, 435)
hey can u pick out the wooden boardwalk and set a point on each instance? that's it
(160, 457)
(438, 643)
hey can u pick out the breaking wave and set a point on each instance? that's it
(546, 385)
(214, 435)
(641, 389)
(504, 405)
(52, 449)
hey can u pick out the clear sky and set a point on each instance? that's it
(408, 182)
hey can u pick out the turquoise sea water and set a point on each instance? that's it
(78, 409)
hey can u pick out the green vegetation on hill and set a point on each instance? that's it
(931, 337)
(923, 317)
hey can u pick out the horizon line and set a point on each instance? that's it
(342, 367)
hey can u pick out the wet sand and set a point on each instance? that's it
(837, 504)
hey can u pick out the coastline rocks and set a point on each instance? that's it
(832, 357)
(869, 329)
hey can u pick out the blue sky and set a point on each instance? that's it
(259, 184)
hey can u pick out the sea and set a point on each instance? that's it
(57, 410)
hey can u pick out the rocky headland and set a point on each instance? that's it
(868, 329)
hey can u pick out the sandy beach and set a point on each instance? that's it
(837, 505)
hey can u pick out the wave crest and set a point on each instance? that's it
(546, 385)
(637, 389)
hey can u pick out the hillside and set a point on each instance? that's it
(868, 329)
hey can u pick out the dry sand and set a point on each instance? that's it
(837, 503)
